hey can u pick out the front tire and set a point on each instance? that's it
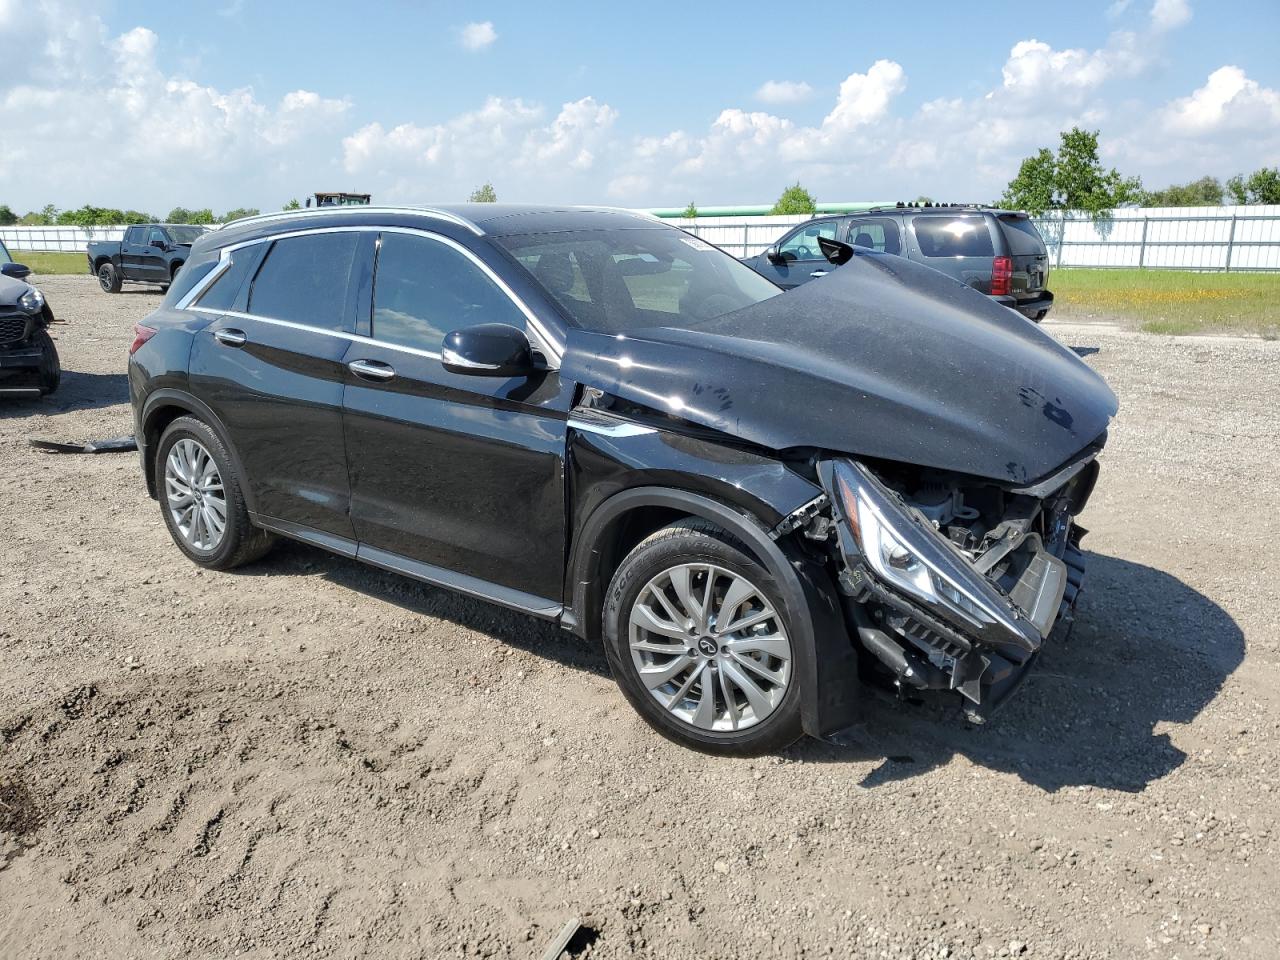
(49, 372)
(698, 639)
(201, 498)
(109, 278)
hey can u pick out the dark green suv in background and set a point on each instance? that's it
(998, 252)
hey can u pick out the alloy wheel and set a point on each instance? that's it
(104, 278)
(710, 647)
(196, 499)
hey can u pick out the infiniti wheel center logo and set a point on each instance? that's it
(708, 647)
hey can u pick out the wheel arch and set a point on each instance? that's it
(165, 406)
(825, 659)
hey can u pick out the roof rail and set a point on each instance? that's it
(307, 213)
(931, 205)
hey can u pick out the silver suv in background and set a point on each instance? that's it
(997, 252)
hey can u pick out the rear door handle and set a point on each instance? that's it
(231, 337)
(818, 273)
(371, 369)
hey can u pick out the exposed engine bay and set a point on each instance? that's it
(949, 583)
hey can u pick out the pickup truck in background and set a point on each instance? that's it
(149, 253)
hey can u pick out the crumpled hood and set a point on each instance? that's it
(882, 358)
(11, 290)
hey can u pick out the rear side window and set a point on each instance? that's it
(1022, 236)
(188, 277)
(224, 292)
(953, 236)
(304, 280)
(424, 289)
(878, 234)
(135, 234)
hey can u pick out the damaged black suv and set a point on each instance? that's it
(762, 505)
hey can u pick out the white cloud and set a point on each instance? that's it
(784, 91)
(1169, 14)
(1229, 100)
(96, 110)
(501, 138)
(478, 36)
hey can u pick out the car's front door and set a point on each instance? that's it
(799, 258)
(454, 478)
(152, 261)
(270, 365)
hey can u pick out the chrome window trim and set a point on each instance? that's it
(307, 328)
(548, 345)
(368, 208)
(221, 267)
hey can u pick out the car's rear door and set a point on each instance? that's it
(960, 245)
(151, 259)
(270, 365)
(132, 248)
(455, 479)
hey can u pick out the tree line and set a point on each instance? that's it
(91, 216)
(1074, 178)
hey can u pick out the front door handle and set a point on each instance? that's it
(231, 337)
(818, 273)
(371, 369)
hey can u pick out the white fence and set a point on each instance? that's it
(1176, 238)
(56, 239)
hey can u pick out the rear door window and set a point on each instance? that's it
(135, 234)
(878, 234)
(953, 236)
(424, 289)
(803, 244)
(305, 280)
(1022, 236)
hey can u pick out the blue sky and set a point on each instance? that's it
(238, 103)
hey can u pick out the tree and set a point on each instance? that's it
(1205, 192)
(137, 216)
(794, 200)
(240, 213)
(40, 218)
(1261, 186)
(484, 194)
(292, 205)
(178, 215)
(91, 216)
(1074, 179)
(690, 212)
(1033, 188)
(7, 217)
(922, 200)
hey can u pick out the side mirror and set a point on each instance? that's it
(159, 244)
(488, 350)
(15, 270)
(773, 254)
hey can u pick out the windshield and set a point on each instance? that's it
(184, 234)
(613, 281)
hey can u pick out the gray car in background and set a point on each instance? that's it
(998, 252)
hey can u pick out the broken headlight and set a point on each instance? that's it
(908, 556)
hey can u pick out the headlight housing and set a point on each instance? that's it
(910, 558)
(32, 301)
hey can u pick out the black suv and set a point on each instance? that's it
(998, 252)
(29, 364)
(598, 419)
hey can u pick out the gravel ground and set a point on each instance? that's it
(312, 758)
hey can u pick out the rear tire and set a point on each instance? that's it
(668, 661)
(109, 278)
(50, 370)
(199, 489)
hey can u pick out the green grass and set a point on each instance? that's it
(1171, 301)
(50, 263)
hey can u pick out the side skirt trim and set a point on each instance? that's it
(427, 573)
